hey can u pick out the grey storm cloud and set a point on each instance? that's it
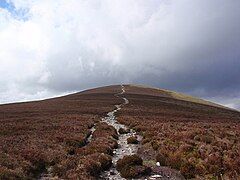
(59, 47)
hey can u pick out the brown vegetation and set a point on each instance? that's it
(123, 131)
(132, 167)
(132, 140)
(53, 133)
(197, 139)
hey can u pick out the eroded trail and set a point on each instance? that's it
(123, 148)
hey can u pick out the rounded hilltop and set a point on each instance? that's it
(66, 137)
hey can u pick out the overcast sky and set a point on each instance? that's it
(53, 47)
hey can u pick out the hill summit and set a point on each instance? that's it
(83, 135)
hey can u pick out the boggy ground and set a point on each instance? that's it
(199, 140)
(52, 134)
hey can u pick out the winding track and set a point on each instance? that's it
(123, 148)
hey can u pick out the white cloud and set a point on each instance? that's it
(71, 45)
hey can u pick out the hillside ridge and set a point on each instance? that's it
(183, 96)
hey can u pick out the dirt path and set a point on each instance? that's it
(123, 148)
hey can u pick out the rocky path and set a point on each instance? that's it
(127, 149)
(123, 148)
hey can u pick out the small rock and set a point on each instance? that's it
(158, 164)
(156, 176)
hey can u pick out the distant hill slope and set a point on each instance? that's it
(153, 91)
(198, 138)
(175, 128)
(141, 89)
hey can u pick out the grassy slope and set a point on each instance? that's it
(179, 96)
(52, 133)
(39, 134)
(187, 134)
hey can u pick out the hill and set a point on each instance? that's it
(74, 136)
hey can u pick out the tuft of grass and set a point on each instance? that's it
(135, 171)
(129, 161)
(10, 174)
(161, 158)
(123, 131)
(132, 140)
(155, 145)
(132, 167)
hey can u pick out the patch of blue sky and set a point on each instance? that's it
(20, 14)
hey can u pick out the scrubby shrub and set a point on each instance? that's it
(155, 145)
(71, 151)
(105, 161)
(185, 148)
(200, 168)
(148, 134)
(132, 125)
(161, 158)
(207, 139)
(123, 131)
(95, 163)
(135, 171)
(90, 124)
(132, 167)
(76, 142)
(132, 140)
(102, 148)
(129, 161)
(93, 167)
(175, 160)
(146, 140)
(105, 130)
(187, 170)
(197, 138)
(65, 165)
(139, 128)
(10, 174)
(113, 144)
